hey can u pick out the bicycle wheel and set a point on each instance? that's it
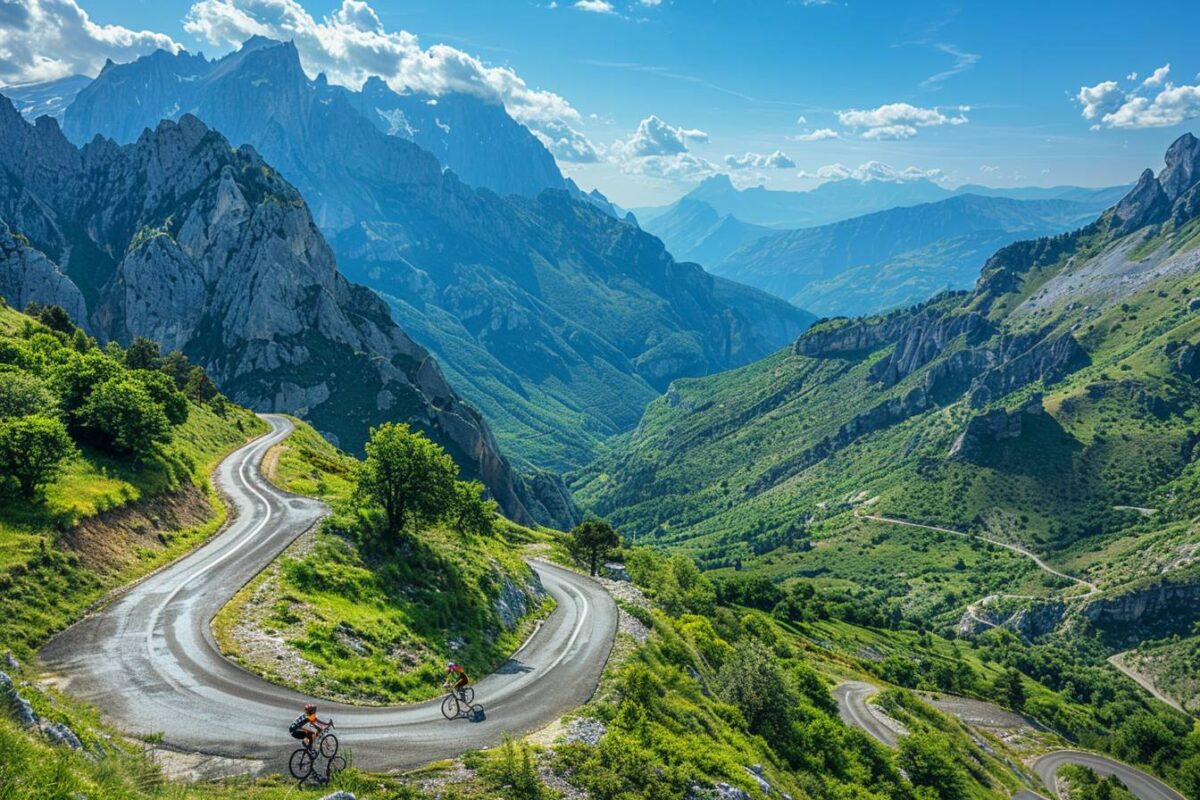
(336, 765)
(450, 708)
(329, 746)
(468, 695)
(301, 764)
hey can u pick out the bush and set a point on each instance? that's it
(31, 450)
(123, 412)
(22, 394)
(930, 762)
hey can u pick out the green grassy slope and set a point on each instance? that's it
(106, 518)
(362, 622)
(766, 465)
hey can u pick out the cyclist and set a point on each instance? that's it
(307, 726)
(456, 677)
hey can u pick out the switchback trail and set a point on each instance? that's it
(1015, 548)
(149, 662)
(852, 699)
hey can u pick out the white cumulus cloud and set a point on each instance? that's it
(1154, 103)
(1158, 77)
(352, 44)
(596, 6)
(899, 120)
(42, 40)
(1099, 99)
(776, 160)
(659, 149)
(873, 171)
(654, 137)
(820, 134)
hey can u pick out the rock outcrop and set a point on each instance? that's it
(925, 339)
(28, 276)
(842, 336)
(1146, 612)
(1048, 360)
(183, 239)
(994, 426)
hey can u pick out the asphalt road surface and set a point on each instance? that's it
(148, 660)
(1143, 786)
(852, 706)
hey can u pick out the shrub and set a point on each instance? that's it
(123, 412)
(31, 450)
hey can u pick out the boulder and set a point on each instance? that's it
(994, 426)
(60, 734)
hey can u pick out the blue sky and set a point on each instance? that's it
(643, 98)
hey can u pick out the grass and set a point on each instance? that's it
(49, 575)
(373, 623)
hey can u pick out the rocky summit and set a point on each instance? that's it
(554, 317)
(205, 248)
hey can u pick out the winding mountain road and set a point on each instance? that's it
(1092, 589)
(149, 662)
(852, 699)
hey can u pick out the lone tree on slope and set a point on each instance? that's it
(592, 540)
(407, 475)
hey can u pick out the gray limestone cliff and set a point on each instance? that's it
(181, 238)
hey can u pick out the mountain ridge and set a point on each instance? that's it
(558, 320)
(1038, 408)
(182, 239)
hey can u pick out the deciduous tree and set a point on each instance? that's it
(31, 450)
(406, 475)
(591, 541)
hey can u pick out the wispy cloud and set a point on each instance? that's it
(963, 61)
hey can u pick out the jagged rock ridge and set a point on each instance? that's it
(183, 239)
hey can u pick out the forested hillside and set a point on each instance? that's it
(1053, 407)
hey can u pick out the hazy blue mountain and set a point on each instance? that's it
(556, 319)
(1102, 198)
(205, 248)
(837, 200)
(829, 202)
(896, 257)
(47, 98)
(466, 134)
(694, 231)
(463, 131)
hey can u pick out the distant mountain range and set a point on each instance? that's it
(841, 199)
(205, 248)
(895, 258)
(46, 98)
(557, 319)
(876, 261)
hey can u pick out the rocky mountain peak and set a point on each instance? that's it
(1145, 204)
(182, 239)
(1182, 170)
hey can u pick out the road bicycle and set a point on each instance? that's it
(304, 760)
(460, 703)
